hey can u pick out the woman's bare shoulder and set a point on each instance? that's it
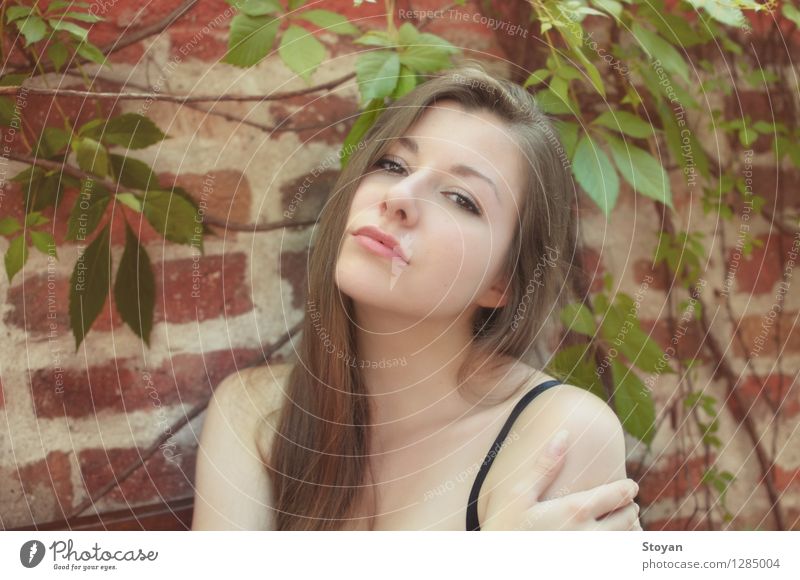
(254, 395)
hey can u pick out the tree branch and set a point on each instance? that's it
(156, 96)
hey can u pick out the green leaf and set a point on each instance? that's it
(92, 156)
(634, 403)
(135, 287)
(89, 285)
(625, 122)
(133, 173)
(375, 38)
(171, 215)
(552, 104)
(34, 219)
(573, 366)
(537, 77)
(725, 12)
(132, 201)
(32, 28)
(621, 329)
(43, 241)
(256, 7)
(16, 256)
(86, 214)
(9, 225)
(300, 51)
(658, 48)
(377, 73)
(360, 128)
(430, 53)
(595, 174)
(7, 111)
(568, 134)
(91, 53)
(83, 17)
(130, 130)
(791, 13)
(58, 54)
(51, 142)
(578, 318)
(406, 82)
(16, 12)
(642, 171)
(295, 4)
(78, 32)
(250, 39)
(330, 21)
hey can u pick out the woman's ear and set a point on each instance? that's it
(497, 295)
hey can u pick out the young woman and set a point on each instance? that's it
(443, 249)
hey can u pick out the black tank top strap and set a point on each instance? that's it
(472, 507)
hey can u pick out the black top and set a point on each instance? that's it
(472, 507)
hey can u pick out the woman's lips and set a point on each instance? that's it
(376, 247)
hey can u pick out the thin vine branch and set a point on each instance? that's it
(157, 96)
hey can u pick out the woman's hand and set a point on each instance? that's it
(603, 508)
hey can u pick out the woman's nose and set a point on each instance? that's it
(402, 202)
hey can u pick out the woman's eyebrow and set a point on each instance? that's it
(458, 168)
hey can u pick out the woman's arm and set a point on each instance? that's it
(595, 452)
(233, 491)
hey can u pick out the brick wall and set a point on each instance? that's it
(76, 422)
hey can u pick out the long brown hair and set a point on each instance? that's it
(318, 458)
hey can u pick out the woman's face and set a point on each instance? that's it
(449, 190)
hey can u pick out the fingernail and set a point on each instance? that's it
(558, 444)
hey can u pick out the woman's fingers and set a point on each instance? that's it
(608, 497)
(548, 464)
(623, 519)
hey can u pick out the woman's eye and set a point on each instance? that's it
(389, 165)
(465, 202)
(462, 201)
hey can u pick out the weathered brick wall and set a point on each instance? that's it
(73, 422)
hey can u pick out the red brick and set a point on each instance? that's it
(592, 268)
(166, 475)
(211, 46)
(311, 192)
(226, 193)
(47, 487)
(786, 480)
(293, 270)
(777, 388)
(224, 289)
(126, 385)
(758, 273)
(321, 113)
(672, 477)
(690, 344)
(758, 335)
(644, 269)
